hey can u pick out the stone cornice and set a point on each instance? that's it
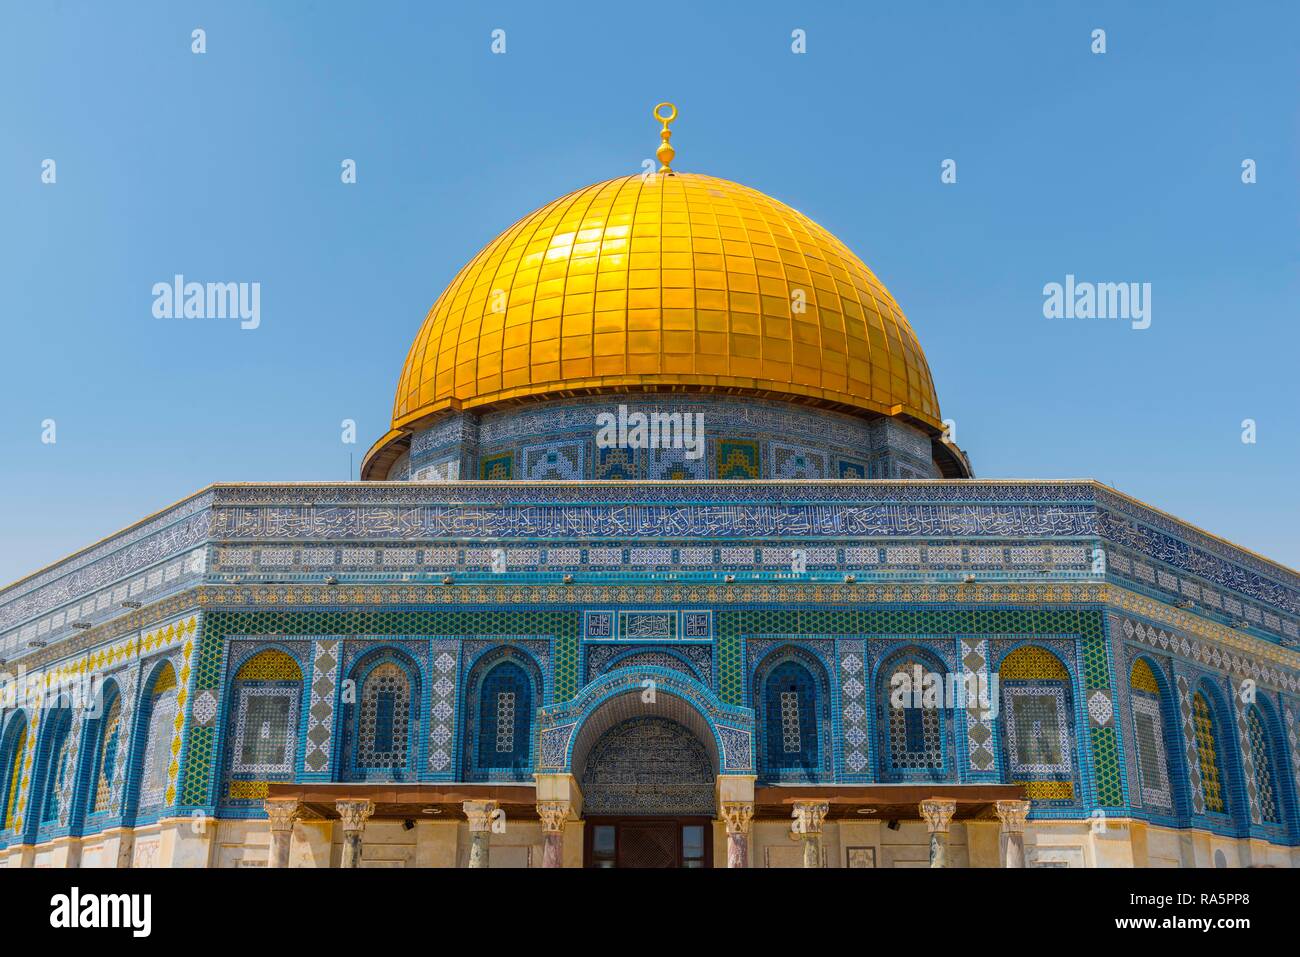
(424, 513)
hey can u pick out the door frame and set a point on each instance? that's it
(618, 822)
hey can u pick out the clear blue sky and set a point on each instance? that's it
(225, 166)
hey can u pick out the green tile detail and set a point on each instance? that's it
(731, 670)
(566, 652)
(564, 626)
(196, 773)
(1096, 667)
(198, 784)
(1105, 768)
(1107, 763)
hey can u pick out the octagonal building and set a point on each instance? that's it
(665, 557)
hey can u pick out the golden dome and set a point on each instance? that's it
(671, 281)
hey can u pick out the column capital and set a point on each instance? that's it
(809, 815)
(354, 812)
(938, 813)
(554, 815)
(738, 815)
(480, 814)
(1012, 815)
(282, 812)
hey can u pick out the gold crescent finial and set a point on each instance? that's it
(665, 152)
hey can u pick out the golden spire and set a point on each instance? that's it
(665, 153)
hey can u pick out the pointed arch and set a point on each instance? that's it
(51, 766)
(104, 738)
(912, 722)
(13, 745)
(262, 729)
(381, 727)
(1037, 722)
(151, 743)
(503, 692)
(1213, 750)
(792, 715)
(1153, 737)
(1268, 762)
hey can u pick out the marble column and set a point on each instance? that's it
(354, 814)
(555, 816)
(938, 814)
(738, 815)
(483, 818)
(281, 813)
(807, 827)
(1012, 815)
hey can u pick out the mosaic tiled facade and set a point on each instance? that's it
(1109, 697)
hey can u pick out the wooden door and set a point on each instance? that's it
(648, 844)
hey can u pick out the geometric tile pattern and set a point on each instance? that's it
(126, 681)
(731, 666)
(1106, 767)
(1207, 750)
(567, 642)
(23, 769)
(445, 655)
(1149, 743)
(1099, 708)
(1191, 751)
(1293, 741)
(265, 728)
(1247, 754)
(1038, 719)
(199, 786)
(1260, 756)
(162, 700)
(320, 707)
(1210, 654)
(1038, 734)
(913, 736)
(69, 779)
(979, 723)
(184, 693)
(198, 779)
(853, 706)
(1099, 693)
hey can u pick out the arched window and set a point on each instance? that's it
(11, 768)
(910, 703)
(108, 751)
(1207, 754)
(266, 697)
(1261, 755)
(160, 713)
(55, 761)
(1038, 732)
(790, 703)
(1149, 737)
(505, 721)
(383, 722)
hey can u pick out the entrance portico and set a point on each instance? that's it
(656, 757)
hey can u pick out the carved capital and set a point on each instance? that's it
(481, 814)
(737, 815)
(554, 815)
(808, 816)
(282, 812)
(1012, 814)
(938, 813)
(354, 813)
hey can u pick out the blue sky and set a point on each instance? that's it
(1120, 167)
